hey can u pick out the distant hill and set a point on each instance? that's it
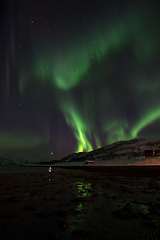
(22, 159)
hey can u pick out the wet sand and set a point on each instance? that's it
(81, 203)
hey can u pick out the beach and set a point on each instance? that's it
(80, 203)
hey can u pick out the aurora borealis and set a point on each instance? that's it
(77, 75)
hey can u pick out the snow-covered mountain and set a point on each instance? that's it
(119, 150)
(129, 149)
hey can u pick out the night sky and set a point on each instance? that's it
(78, 75)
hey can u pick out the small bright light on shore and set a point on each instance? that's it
(51, 152)
(49, 169)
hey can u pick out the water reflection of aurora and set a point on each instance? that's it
(83, 189)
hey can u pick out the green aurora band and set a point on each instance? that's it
(13, 141)
(65, 69)
(145, 121)
(80, 130)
